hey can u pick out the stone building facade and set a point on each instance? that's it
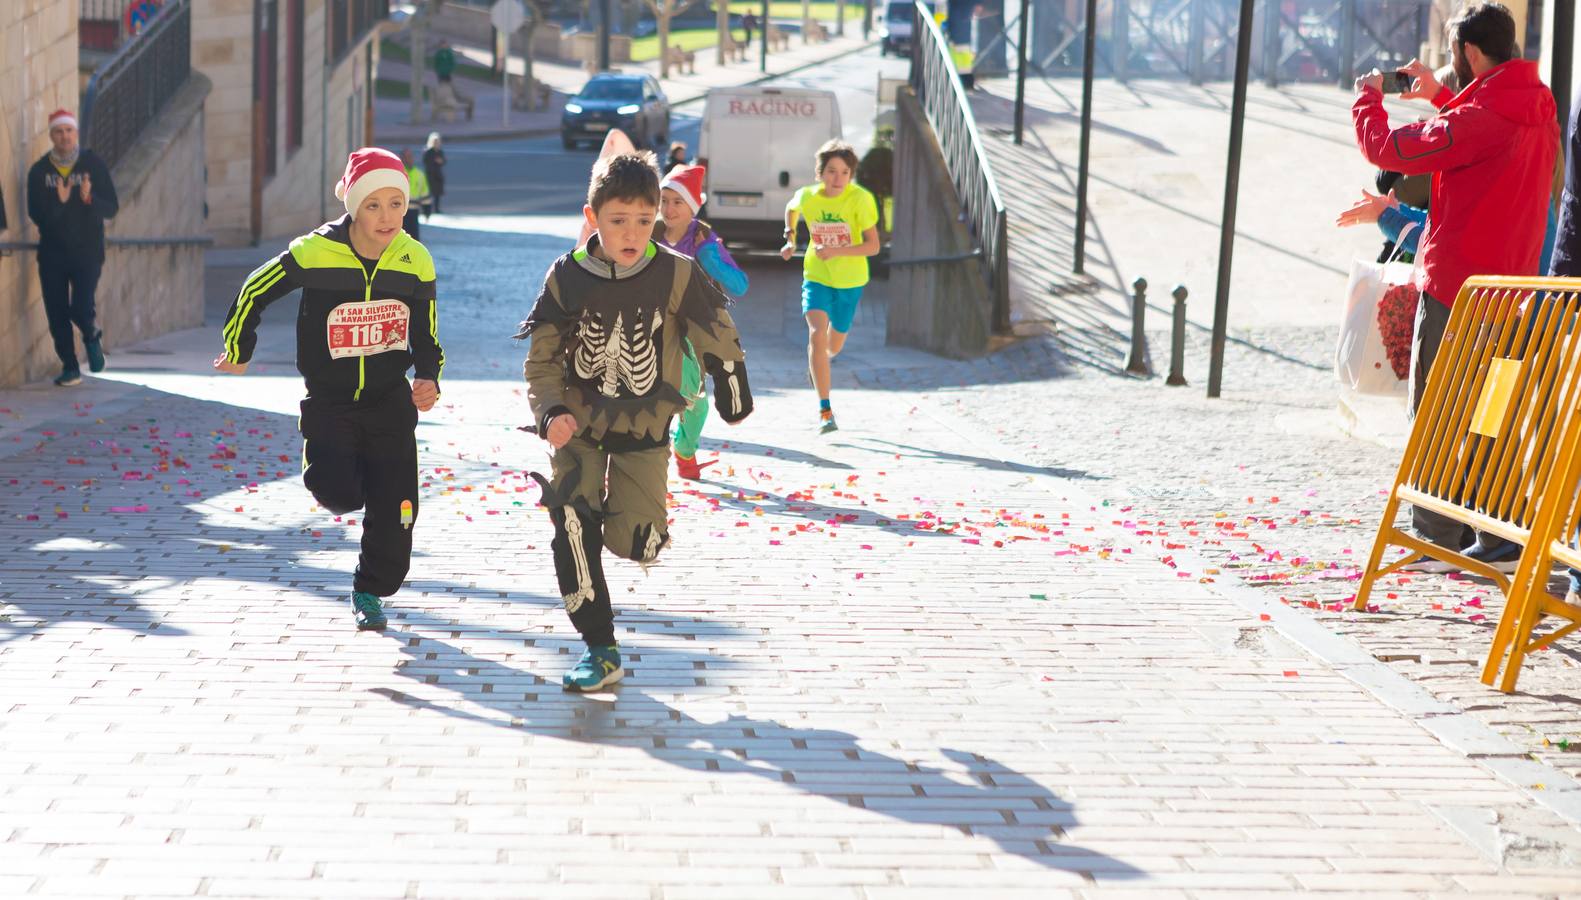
(292, 96)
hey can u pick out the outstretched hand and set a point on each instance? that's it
(1366, 210)
(222, 364)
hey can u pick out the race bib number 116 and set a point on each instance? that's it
(365, 329)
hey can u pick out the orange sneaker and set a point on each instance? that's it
(689, 468)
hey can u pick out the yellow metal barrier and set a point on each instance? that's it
(1486, 449)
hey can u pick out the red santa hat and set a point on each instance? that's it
(688, 182)
(62, 117)
(368, 170)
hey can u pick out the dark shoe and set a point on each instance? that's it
(95, 348)
(1502, 555)
(69, 378)
(599, 667)
(368, 611)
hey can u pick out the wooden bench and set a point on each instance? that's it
(447, 101)
(816, 32)
(778, 40)
(734, 52)
(680, 58)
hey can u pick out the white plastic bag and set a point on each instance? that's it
(1360, 361)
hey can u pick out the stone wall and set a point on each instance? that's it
(38, 74)
(152, 290)
(298, 196)
(943, 308)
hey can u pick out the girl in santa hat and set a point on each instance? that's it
(368, 314)
(680, 197)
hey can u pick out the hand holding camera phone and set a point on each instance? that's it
(1397, 82)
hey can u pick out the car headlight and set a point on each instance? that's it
(630, 109)
(572, 108)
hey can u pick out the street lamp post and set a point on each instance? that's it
(1232, 187)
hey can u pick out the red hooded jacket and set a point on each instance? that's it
(1490, 150)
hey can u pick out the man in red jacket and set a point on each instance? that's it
(1490, 150)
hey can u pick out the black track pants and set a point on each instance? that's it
(363, 454)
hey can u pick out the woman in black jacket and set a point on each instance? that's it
(434, 168)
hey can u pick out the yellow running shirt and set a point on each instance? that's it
(835, 222)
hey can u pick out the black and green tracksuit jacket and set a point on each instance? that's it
(356, 334)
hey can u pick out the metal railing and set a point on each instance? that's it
(126, 94)
(943, 99)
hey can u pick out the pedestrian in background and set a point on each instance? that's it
(434, 168)
(418, 200)
(444, 61)
(1491, 147)
(69, 195)
(676, 159)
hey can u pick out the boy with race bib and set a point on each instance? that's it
(368, 315)
(842, 225)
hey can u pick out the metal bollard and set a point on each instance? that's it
(1177, 339)
(1136, 363)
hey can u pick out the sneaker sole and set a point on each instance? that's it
(69, 382)
(606, 681)
(825, 429)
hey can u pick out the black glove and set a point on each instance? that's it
(732, 394)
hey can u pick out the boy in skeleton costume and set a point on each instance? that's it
(603, 379)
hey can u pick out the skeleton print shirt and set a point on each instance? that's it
(606, 345)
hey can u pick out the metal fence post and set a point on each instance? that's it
(1347, 43)
(1177, 340)
(1136, 363)
(1121, 41)
(1272, 46)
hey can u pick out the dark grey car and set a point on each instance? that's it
(634, 103)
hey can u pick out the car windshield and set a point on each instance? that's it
(611, 89)
(900, 12)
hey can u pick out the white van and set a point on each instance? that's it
(760, 144)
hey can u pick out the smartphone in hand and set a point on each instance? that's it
(1397, 82)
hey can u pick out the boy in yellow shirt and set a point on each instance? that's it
(842, 225)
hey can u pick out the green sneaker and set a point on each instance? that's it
(826, 421)
(368, 611)
(599, 667)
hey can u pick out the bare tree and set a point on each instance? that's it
(537, 14)
(664, 11)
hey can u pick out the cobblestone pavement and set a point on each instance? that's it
(1268, 491)
(889, 663)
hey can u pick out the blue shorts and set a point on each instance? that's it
(839, 304)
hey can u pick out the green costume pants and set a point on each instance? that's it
(689, 425)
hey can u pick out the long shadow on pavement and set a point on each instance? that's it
(821, 762)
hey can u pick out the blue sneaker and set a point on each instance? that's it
(599, 667)
(368, 611)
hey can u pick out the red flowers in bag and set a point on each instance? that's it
(1396, 323)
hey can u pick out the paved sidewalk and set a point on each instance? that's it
(1272, 493)
(392, 118)
(887, 663)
